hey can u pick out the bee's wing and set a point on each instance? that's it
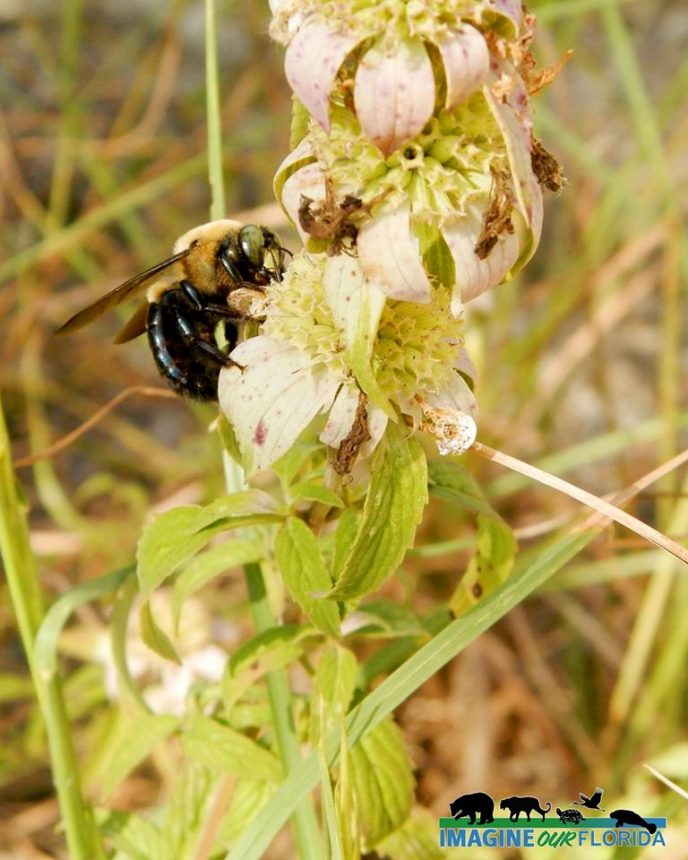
(117, 296)
(135, 325)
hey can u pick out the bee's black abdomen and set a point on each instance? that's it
(181, 334)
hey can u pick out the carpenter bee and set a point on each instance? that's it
(216, 276)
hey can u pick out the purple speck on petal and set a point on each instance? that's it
(261, 433)
(311, 64)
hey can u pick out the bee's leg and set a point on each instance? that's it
(231, 269)
(192, 294)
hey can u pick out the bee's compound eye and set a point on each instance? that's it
(252, 244)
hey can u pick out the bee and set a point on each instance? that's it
(216, 276)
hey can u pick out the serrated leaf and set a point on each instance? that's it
(495, 544)
(135, 737)
(335, 678)
(548, 558)
(309, 491)
(272, 649)
(394, 505)
(382, 777)
(177, 535)
(452, 482)
(155, 637)
(248, 798)
(305, 574)
(385, 620)
(347, 528)
(237, 506)
(186, 809)
(416, 839)
(289, 464)
(133, 835)
(223, 749)
(491, 564)
(216, 561)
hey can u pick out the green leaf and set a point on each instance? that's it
(272, 649)
(248, 798)
(416, 839)
(549, 557)
(305, 574)
(491, 564)
(187, 808)
(136, 735)
(156, 638)
(308, 491)
(394, 505)
(495, 544)
(382, 778)
(358, 359)
(335, 678)
(386, 620)
(347, 529)
(132, 835)
(177, 535)
(452, 482)
(244, 505)
(290, 463)
(216, 561)
(59, 613)
(225, 750)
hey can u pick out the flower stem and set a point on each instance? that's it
(306, 831)
(27, 601)
(213, 116)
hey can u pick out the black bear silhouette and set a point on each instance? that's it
(517, 805)
(471, 805)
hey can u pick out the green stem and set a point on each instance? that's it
(27, 601)
(306, 831)
(213, 117)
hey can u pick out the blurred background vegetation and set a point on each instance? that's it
(583, 365)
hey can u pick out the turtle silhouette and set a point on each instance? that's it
(570, 816)
(592, 802)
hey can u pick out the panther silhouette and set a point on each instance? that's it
(517, 805)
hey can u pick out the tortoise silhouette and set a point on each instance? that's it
(570, 816)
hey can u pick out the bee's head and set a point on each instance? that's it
(252, 255)
(224, 255)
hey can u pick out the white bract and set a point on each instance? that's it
(413, 186)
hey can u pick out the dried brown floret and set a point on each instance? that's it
(332, 221)
(344, 458)
(497, 217)
(546, 167)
